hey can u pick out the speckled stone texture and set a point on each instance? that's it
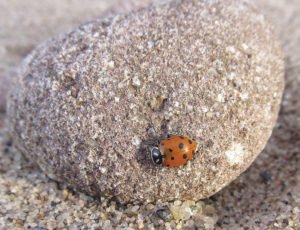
(87, 103)
(24, 24)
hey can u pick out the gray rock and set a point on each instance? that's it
(210, 70)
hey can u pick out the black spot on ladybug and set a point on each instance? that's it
(172, 158)
(181, 145)
(168, 165)
(181, 137)
(170, 150)
(190, 142)
(184, 156)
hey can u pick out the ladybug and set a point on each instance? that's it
(173, 151)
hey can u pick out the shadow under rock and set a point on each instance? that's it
(268, 192)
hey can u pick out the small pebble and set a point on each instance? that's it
(164, 214)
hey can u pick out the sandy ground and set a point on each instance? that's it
(266, 196)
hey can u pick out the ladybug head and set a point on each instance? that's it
(156, 156)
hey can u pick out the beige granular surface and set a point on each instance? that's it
(266, 196)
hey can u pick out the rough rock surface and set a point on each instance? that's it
(87, 102)
(25, 24)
